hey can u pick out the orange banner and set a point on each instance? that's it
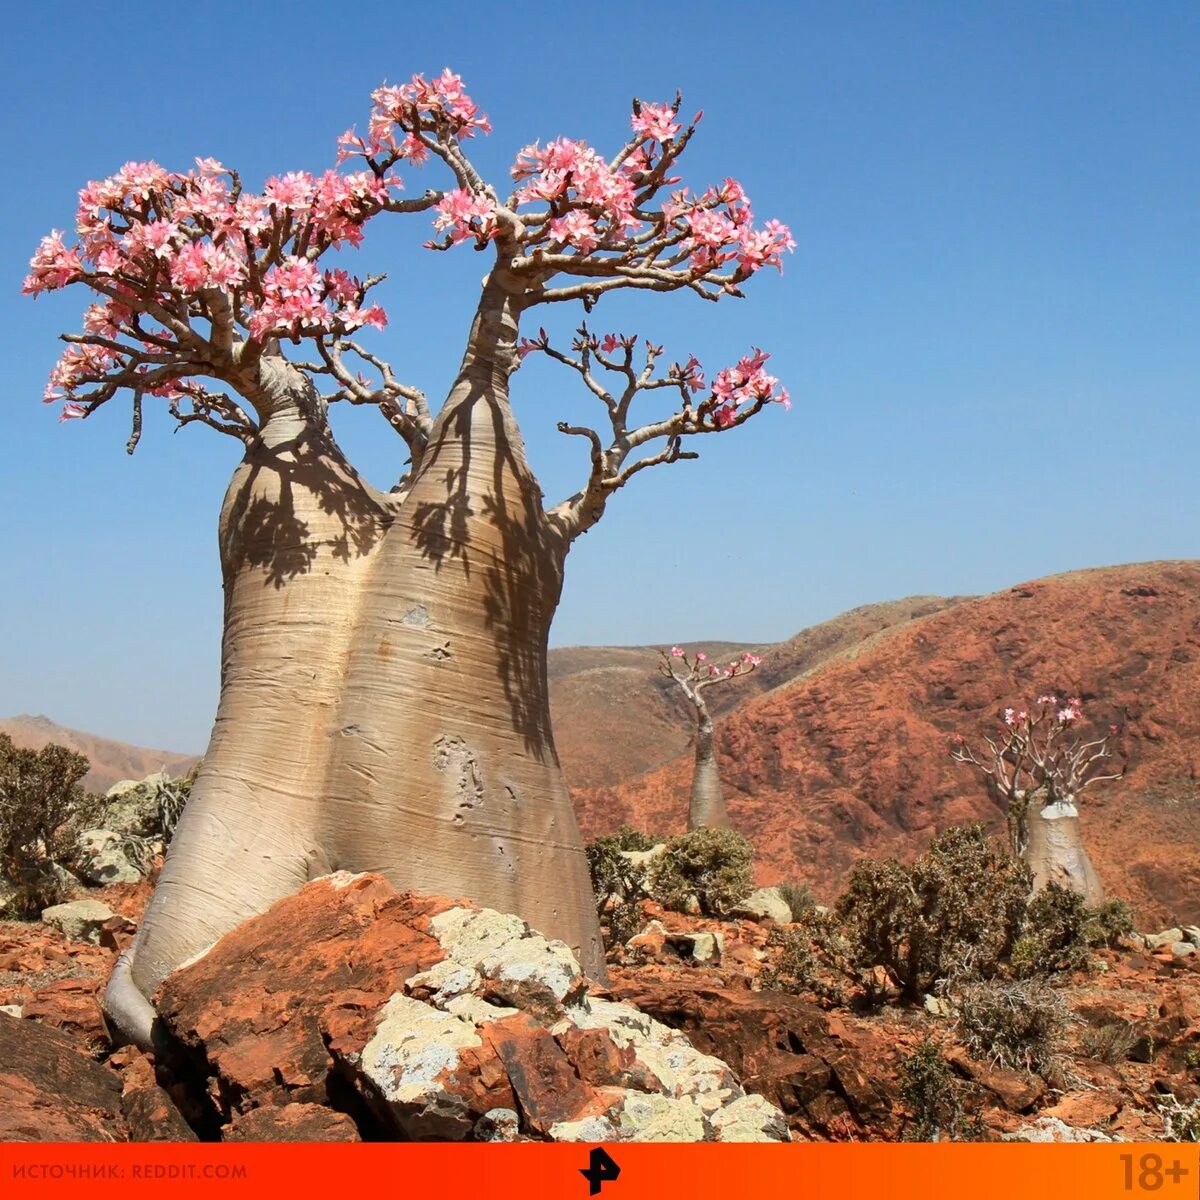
(619, 1172)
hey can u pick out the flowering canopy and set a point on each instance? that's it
(695, 673)
(198, 277)
(1035, 749)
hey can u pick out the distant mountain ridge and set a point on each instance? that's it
(111, 760)
(850, 757)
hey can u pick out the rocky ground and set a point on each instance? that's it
(350, 1012)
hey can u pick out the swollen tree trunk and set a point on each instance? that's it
(445, 775)
(1049, 839)
(384, 702)
(707, 807)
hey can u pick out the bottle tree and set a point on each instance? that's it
(694, 675)
(1037, 765)
(383, 698)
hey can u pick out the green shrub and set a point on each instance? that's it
(1109, 923)
(628, 838)
(43, 808)
(798, 897)
(935, 1098)
(1013, 1023)
(713, 865)
(956, 911)
(811, 958)
(614, 877)
(1054, 934)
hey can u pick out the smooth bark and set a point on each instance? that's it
(384, 701)
(707, 807)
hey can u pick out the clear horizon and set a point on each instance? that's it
(988, 327)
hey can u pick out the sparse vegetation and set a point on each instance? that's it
(956, 911)
(711, 865)
(1109, 923)
(1012, 1023)
(1110, 1043)
(1181, 1122)
(935, 1098)
(812, 957)
(43, 807)
(798, 897)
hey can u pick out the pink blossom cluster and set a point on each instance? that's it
(148, 236)
(591, 203)
(299, 299)
(1064, 711)
(466, 215)
(718, 229)
(416, 109)
(747, 383)
(698, 671)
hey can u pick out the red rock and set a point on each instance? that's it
(542, 1077)
(1017, 1091)
(150, 1114)
(1086, 1110)
(52, 1092)
(597, 1059)
(783, 1047)
(70, 1004)
(257, 1003)
(291, 1123)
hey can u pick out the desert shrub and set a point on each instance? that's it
(1110, 1043)
(1054, 935)
(614, 877)
(628, 838)
(1013, 1023)
(713, 865)
(936, 1098)
(1108, 923)
(956, 911)
(42, 809)
(811, 957)
(1181, 1122)
(798, 897)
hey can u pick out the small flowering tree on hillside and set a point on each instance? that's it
(1036, 765)
(384, 696)
(694, 675)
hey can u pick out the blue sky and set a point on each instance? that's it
(989, 326)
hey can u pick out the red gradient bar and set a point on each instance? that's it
(805, 1171)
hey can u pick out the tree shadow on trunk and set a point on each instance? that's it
(264, 527)
(499, 529)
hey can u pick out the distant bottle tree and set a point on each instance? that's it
(1037, 763)
(694, 675)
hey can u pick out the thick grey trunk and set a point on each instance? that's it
(707, 807)
(384, 703)
(1053, 848)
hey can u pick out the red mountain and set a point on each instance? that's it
(851, 758)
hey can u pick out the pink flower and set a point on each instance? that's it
(189, 270)
(701, 656)
(466, 215)
(53, 265)
(655, 121)
(575, 229)
(676, 651)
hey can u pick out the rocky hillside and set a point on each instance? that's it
(615, 717)
(851, 758)
(111, 761)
